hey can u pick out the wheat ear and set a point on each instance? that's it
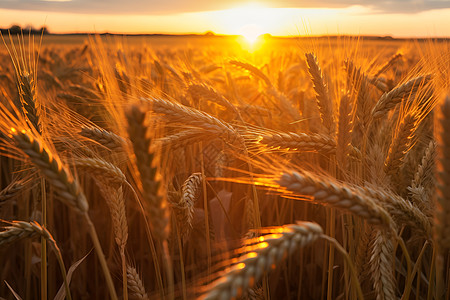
(71, 98)
(324, 101)
(184, 208)
(382, 266)
(208, 92)
(388, 64)
(11, 190)
(261, 257)
(51, 167)
(344, 131)
(151, 187)
(401, 144)
(363, 106)
(20, 229)
(146, 165)
(105, 138)
(189, 116)
(422, 185)
(184, 138)
(298, 142)
(50, 78)
(101, 168)
(85, 91)
(253, 70)
(389, 100)
(285, 103)
(27, 91)
(116, 203)
(135, 284)
(401, 210)
(329, 192)
(375, 159)
(379, 83)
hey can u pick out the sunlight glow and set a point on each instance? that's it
(250, 20)
(251, 32)
(240, 266)
(263, 245)
(273, 236)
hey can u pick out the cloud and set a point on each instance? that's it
(381, 6)
(158, 7)
(119, 6)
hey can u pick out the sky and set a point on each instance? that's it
(398, 18)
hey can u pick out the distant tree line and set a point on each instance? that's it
(16, 29)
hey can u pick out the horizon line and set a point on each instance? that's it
(212, 34)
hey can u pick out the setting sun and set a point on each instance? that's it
(250, 21)
(251, 32)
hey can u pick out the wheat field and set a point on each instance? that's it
(305, 169)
